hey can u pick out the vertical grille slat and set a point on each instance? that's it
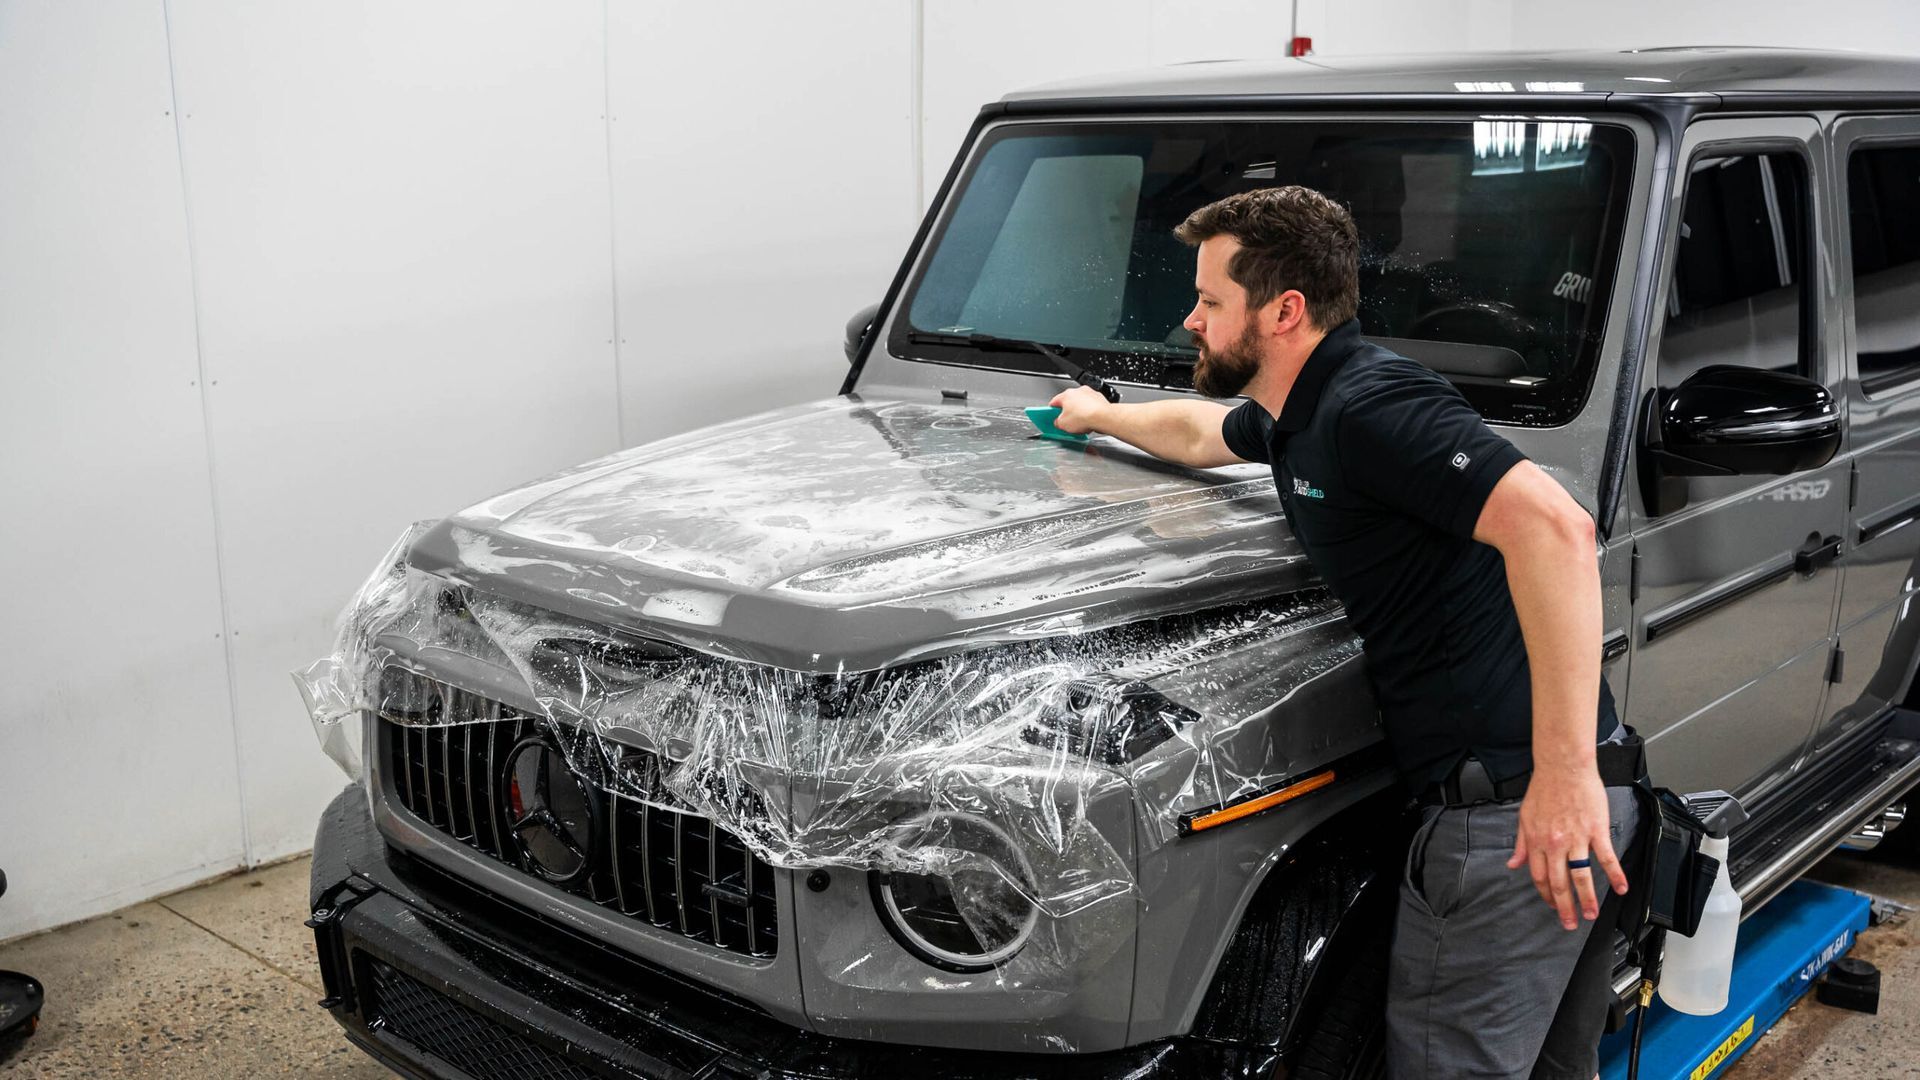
(487, 816)
(668, 866)
(601, 887)
(680, 867)
(614, 818)
(713, 881)
(732, 899)
(417, 770)
(397, 696)
(646, 861)
(457, 753)
(433, 738)
(443, 734)
(467, 732)
(753, 931)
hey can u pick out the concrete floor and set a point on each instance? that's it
(214, 982)
(1815, 1040)
(220, 981)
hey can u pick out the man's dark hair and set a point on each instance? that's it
(1290, 238)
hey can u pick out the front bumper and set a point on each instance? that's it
(438, 979)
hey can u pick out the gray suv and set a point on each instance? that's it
(879, 735)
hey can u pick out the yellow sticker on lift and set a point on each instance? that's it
(1723, 1051)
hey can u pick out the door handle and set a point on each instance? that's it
(1818, 552)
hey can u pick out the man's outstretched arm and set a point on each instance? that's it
(1183, 432)
(1547, 541)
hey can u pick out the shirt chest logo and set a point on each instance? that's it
(1301, 487)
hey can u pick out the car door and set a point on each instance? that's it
(1733, 595)
(1876, 199)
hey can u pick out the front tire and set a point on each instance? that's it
(1347, 1040)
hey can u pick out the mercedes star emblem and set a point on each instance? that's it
(552, 815)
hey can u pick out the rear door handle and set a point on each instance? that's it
(1818, 552)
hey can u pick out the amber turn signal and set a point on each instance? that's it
(1235, 811)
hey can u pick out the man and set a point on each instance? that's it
(1471, 578)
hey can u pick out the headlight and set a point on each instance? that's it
(1109, 719)
(971, 919)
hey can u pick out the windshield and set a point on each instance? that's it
(1487, 246)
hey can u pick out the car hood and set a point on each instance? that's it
(850, 534)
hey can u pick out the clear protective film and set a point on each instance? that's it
(1021, 778)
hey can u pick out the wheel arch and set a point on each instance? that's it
(1309, 905)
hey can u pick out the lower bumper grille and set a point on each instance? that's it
(477, 1046)
(672, 868)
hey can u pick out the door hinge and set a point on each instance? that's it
(1633, 576)
(1853, 484)
(1837, 665)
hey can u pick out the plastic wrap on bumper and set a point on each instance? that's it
(420, 971)
(966, 779)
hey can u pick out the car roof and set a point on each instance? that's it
(1690, 70)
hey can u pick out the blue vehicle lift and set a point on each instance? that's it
(1782, 951)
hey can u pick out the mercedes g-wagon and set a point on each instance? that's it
(878, 736)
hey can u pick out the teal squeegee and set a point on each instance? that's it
(1043, 417)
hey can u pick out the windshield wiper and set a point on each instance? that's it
(1054, 354)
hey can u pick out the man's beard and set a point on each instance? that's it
(1227, 372)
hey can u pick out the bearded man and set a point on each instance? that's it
(1472, 579)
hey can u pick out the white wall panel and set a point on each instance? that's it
(400, 218)
(763, 192)
(1886, 26)
(116, 751)
(1364, 27)
(976, 52)
(1181, 31)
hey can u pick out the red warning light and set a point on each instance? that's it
(1300, 46)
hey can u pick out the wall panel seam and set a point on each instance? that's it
(613, 225)
(206, 429)
(916, 106)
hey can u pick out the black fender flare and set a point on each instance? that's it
(1330, 897)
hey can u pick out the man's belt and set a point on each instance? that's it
(1621, 764)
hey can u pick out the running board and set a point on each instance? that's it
(1814, 813)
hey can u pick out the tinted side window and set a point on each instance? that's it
(1736, 295)
(1883, 215)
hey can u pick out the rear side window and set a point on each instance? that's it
(1739, 281)
(1883, 215)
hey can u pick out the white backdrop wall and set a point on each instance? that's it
(399, 224)
(116, 733)
(762, 186)
(1886, 26)
(277, 278)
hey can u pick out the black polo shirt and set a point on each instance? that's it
(1383, 469)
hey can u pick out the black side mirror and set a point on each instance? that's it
(1726, 420)
(858, 328)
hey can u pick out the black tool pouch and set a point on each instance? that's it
(1678, 876)
(1668, 888)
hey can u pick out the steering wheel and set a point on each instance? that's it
(1478, 322)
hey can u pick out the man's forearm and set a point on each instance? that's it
(1172, 430)
(1555, 582)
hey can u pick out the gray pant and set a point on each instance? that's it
(1484, 982)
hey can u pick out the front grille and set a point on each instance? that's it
(441, 1026)
(672, 868)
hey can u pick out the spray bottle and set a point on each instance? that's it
(1699, 970)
